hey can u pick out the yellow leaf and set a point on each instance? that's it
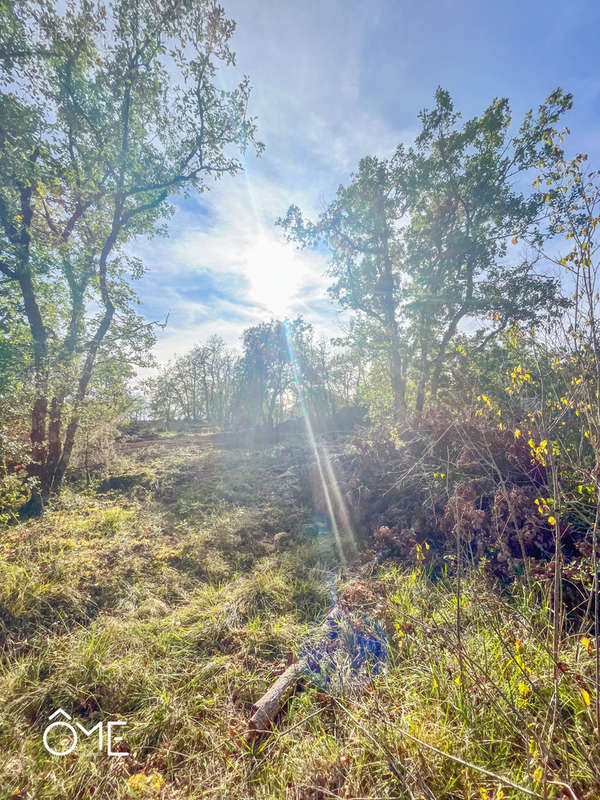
(142, 785)
(585, 642)
(524, 689)
(532, 747)
(586, 697)
(517, 433)
(514, 240)
(552, 520)
(537, 774)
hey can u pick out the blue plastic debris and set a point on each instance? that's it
(351, 652)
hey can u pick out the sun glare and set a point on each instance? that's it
(277, 273)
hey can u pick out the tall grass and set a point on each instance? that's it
(175, 610)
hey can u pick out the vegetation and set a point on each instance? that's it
(92, 152)
(419, 243)
(411, 510)
(170, 605)
(214, 385)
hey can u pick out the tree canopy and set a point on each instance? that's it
(424, 242)
(106, 112)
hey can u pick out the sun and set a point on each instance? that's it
(277, 274)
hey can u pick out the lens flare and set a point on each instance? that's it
(336, 505)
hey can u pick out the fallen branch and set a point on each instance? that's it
(266, 709)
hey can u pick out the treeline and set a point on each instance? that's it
(443, 255)
(280, 373)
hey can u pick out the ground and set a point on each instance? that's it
(171, 595)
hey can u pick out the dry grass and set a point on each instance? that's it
(167, 604)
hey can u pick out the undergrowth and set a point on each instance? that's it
(172, 604)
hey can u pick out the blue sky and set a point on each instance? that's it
(334, 81)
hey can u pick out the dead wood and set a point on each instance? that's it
(266, 709)
(269, 705)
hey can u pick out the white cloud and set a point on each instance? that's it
(316, 126)
(254, 274)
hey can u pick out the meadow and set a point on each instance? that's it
(168, 601)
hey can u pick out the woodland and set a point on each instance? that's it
(295, 566)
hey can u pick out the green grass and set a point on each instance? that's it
(168, 605)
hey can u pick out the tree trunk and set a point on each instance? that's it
(54, 445)
(39, 412)
(420, 398)
(82, 387)
(424, 342)
(398, 379)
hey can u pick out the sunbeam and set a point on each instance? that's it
(331, 490)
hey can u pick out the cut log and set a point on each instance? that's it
(266, 709)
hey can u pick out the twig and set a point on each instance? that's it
(418, 461)
(329, 793)
(390, 760)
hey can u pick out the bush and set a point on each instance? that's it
(15, 485)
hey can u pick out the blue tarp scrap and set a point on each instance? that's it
(350, 652)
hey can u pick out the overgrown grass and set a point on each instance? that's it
(170, 605)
